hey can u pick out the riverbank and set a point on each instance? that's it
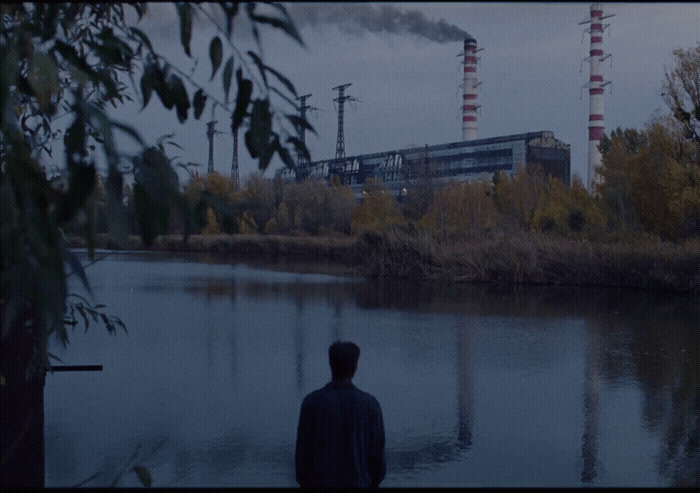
(530, 259)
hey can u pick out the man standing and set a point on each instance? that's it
(340, 439)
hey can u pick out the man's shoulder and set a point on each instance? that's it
(367, 396)
(328, 390)
(314, 394)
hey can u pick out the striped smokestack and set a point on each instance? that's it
(469, 120)
(596, 88)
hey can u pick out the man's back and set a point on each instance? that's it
(340, 439)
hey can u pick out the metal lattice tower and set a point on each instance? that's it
(340, 142)
(596, 88)
(234, 160)
(210, 134)
(301, 130)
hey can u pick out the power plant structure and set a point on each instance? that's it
(457, 161)
(301, 159)
(340, 141)
(596, 89)
(469, 116)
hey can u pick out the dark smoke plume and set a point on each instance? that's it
(354, 17)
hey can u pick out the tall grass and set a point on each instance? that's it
(525, 258)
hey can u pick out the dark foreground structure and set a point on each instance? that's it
(458, 161)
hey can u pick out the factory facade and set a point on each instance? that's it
(459, 161)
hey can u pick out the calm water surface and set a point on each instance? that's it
(479, 386)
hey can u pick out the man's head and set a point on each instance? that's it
(343, 356)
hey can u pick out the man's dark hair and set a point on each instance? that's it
(343, 356)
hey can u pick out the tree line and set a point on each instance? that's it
(650, 189)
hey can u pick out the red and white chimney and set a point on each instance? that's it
(469, 119)
(596, 88)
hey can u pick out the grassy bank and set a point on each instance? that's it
(525, 259)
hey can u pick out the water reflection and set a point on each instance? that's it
(591, 405)
(465, 379)
(480, 384)
(299, 342)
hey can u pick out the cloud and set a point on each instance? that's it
(356, 18)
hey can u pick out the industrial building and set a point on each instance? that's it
(460, 161)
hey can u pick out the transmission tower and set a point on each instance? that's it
(301, 160)
(340, 143)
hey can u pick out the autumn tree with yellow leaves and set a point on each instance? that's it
(652, 179)
(378, 209)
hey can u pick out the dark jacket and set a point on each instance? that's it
(340, 439)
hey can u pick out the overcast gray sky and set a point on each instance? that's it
(407, 84)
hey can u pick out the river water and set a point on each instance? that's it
(479, 386)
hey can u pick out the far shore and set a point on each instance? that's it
(530, 259)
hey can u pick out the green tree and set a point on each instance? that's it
(72, 59)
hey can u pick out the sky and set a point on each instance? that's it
(406, 75)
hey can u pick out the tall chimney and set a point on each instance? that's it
(469, 121)
(596, 88)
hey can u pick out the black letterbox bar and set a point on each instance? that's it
(77, 368)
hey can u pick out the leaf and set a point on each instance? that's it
(259, 134)
(285, 156)
(282, 95)
(287, 83)
(81, 183)
(81, 310)
(245, 90)
(148, 81)
(230, 9)
(140, 8)
(292, 28)
(43, 75)
(300, 147)
(79, 62)
(198, 103)
(163, 89)
(76, 266)
(215, 55)
(53, 356)
(286, 25)
(143, 37)
(185, 12)
(261, 66)
(108, 323)
(143, 474)
(112, 50)
(118, 321)
(182, 100)
(300, 122)
(228, 72)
